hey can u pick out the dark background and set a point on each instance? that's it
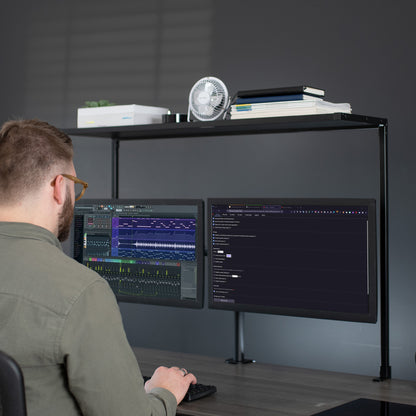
(57, 54)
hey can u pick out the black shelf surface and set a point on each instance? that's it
(333, 121)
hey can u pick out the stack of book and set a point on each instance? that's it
(286, 101)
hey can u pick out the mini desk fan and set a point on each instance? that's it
(208, 99)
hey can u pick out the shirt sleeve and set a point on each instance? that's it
(102, 371)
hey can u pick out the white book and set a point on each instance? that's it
(316, 108)
(271, 106)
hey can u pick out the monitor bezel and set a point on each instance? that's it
(369, 317)
(198, 303)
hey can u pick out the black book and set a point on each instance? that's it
(301, 89)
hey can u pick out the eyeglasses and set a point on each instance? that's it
(79, 192)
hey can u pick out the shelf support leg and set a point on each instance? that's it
(115, 167)
(385, 369)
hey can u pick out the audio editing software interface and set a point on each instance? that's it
(276, 258)
(147, 252)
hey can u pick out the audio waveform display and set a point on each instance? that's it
(148, 250)
(155, 238)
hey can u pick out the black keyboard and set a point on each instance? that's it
(195, 391)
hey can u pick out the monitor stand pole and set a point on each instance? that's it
(239, 341)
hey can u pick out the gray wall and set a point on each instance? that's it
(57, 54)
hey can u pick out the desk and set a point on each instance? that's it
(263, 389)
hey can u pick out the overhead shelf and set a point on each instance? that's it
(334, 121)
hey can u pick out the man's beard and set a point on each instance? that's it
(65, 219)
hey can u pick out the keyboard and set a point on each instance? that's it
(195, 391)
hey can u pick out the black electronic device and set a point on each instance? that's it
(148, 250)
(298, 257)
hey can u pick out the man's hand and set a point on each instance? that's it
(174, 379)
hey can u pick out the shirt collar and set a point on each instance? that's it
(28, 231)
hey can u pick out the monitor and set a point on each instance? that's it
(300, 257)
(149, 251)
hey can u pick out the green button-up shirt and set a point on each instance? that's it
(62, 324)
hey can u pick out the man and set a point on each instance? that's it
(59, 319)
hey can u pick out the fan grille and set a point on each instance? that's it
(208, 99)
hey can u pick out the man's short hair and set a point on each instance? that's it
(29, 149)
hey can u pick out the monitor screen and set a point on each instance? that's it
(299, 257)
(149, 251)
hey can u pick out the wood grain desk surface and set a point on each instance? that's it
(266, 389)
